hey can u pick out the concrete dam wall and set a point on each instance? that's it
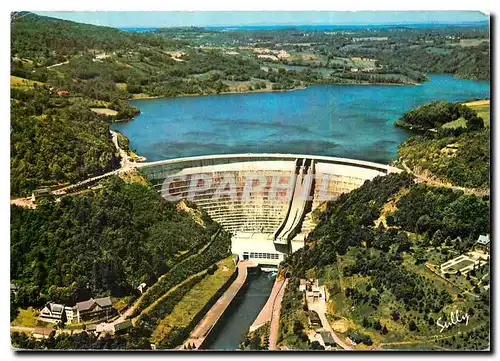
(265, 200)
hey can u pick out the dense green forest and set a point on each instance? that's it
(133, 340)
(457, 151)
(54, 141)
(103, 243)
(47, 41)
(463, 160)
(437, 113)
(382, 263)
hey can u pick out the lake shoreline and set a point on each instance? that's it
(149, 97)
(331, 120)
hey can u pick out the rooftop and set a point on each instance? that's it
(483, 239)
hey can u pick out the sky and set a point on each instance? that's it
(123, 19)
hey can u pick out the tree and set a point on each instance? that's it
(423, 223)
(475, 123)
(315, 345)
(412, 326)
(384, 330)
(366, 323)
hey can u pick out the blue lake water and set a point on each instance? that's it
(353, 121)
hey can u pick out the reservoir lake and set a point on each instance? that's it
(352, 121)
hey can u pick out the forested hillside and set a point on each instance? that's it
(55, 142)
(435, 114)
(107, 243)
(458, 151)
(47, 41)
(372, 249)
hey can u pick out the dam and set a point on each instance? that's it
(265, 200)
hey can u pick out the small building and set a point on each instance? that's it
(304, 285)
(142, 287)
(92, 309)
(483, 242)
(101, 57)
(327, 338)
(314, 319)
(91, 328)
(63, 92)
(40, 193)
(315, 292)
(56, 313)
(121, 326)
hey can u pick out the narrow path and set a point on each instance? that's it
(439, 183)
(201, 250)
(166, 294)
(58, 64)
(33, 329)
(125, 162)
(275, 317)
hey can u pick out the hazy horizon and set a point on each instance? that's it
(130, 19)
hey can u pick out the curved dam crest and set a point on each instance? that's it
(264, 200)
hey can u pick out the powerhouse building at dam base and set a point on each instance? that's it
(265, 200)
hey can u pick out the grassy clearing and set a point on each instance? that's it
(472, 42)
(460, 122)
(195, 299)
(104, 111)
(133, 176)
(120, 303)
(482, 107)
(18, 82)
(26, 318)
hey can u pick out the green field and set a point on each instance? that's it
(482, 107)
(194, 301)
(18, 82)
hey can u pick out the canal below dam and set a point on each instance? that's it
(231, 329)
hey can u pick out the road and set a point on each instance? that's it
(439, 183)
(58, 64)
(320, 307)
(125, 165)
(125, 162)
(32, 329)
(275, 318)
